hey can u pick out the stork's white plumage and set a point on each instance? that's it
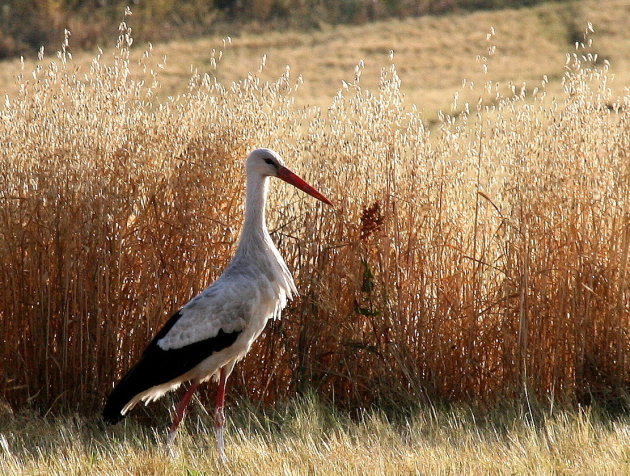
(208, 335)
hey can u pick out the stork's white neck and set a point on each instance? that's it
(254, 224)
(255, 244)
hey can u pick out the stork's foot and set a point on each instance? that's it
(218, 431)
(170, 437)
(169, 447)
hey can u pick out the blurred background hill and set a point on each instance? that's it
(322, 42)
(26, 25)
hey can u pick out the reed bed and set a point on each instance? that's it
(484, 259)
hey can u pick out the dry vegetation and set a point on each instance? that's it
(306, 438)
(25, 25)
(487, 259)
(432, 54)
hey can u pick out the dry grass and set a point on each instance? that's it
(307, 438)
(487, 259)
(433, 53)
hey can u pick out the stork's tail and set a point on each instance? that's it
(130, 387)
(122, 394)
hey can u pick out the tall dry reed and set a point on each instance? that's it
(485, 259)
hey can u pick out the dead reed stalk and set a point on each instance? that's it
(485, 259)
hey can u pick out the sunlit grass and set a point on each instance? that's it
(433, 53)
(305, 437)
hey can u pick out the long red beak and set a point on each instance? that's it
(289, 177)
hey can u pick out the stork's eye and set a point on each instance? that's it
(270, 162)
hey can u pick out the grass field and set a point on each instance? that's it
(433, 54)
(475, 256)
(308, 438)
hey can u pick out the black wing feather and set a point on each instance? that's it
(158, 366)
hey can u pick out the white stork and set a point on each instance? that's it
(209, 334)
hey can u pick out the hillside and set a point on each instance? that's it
(26, 25)
(432, 54)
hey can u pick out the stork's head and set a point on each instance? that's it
(267, 163)
(264, 162)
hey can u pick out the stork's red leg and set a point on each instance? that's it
(180, 411)
(219, 416)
